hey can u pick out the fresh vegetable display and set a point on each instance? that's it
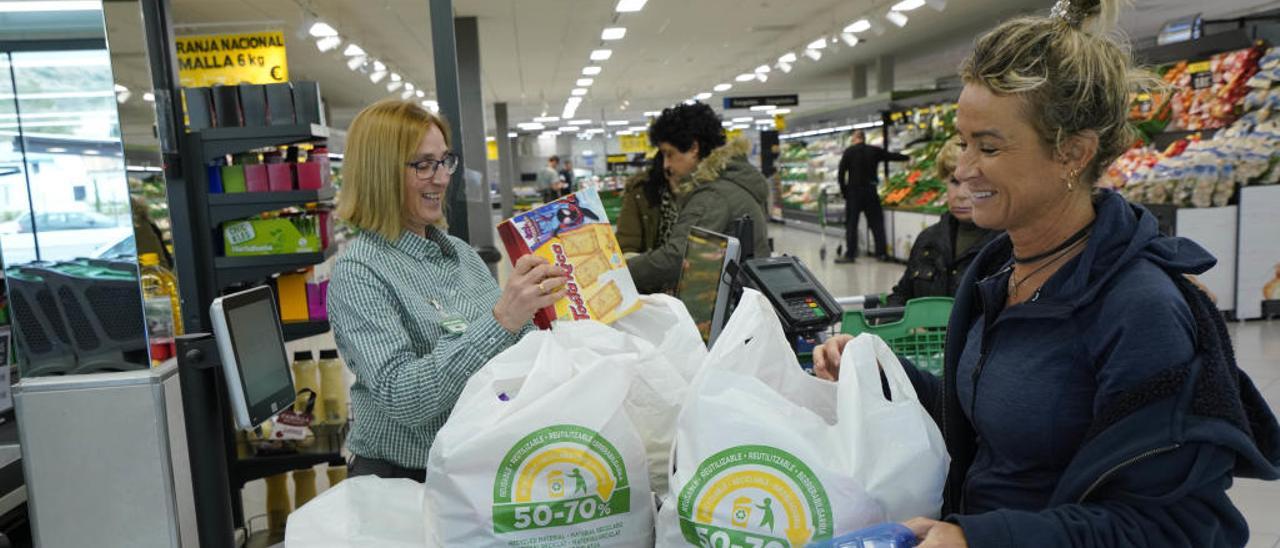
(917, 187)
(809, 167)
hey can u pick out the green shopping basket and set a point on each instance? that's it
(920, 336)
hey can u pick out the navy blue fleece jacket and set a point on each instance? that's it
(1145, 455)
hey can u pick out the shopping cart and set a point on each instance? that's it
(919, 336)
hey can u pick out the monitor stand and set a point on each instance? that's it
(203, 391)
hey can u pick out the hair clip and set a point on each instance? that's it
(1061, 11)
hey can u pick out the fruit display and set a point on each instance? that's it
(1199, 171)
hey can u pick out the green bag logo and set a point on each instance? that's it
(753, 496)
(559, 475)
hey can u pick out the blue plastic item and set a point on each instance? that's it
(885, 535)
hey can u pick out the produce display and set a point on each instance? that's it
(810, 167)
(916, 187)
(1200, 171)
(1208, 92)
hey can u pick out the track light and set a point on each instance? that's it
(813, 54)
(590, 71)
(328, 43)
(722, 87)
(762, 77)
(393, 85)
(898, 18)
(745, 77)
(356, 62)
(784, 67)
(817, 44)
(861, 25)
(788, 57)
(322, 30)
(849, 38)
(601, 54)
(907, 5)
(353, 51)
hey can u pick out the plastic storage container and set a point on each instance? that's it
(305, 376)
(333, 388)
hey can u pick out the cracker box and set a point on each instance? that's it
(574, 233)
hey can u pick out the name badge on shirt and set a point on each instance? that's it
(450, 322)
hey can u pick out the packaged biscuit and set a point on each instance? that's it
(574, 233)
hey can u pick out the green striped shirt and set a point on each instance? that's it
(387, 303)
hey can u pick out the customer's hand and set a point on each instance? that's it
(534, 284)
(826, 358)
(937, 534)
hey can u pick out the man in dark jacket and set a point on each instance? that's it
(942, 253)
(858, 180)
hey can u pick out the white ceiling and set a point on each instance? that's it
(532, 51)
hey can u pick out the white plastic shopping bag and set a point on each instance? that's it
(898, 453)
(358, 513)
(660, 389)
(665, 323)
(759, 459)
(540, 451)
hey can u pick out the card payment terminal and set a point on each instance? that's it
(803, 305)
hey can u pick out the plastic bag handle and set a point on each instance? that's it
(865, 381)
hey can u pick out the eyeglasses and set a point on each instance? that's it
(427, 169)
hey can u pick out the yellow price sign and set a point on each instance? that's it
(491, 148)
(229, 59)
(732, 134)
(635, 144)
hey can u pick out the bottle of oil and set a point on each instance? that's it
(163, 312)
(333, 388)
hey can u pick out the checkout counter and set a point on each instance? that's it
(150, 458)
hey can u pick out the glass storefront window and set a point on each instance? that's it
(63, 192)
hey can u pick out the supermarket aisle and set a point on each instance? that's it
(865, 276)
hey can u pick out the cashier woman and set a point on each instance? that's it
(414, 310)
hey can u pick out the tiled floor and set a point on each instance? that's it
(1257, 347)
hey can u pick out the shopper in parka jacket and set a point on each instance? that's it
(1090, 395)
(716, 187)
(942, 252)
(649, 210)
